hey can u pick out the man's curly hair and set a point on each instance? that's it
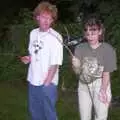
(46, 7)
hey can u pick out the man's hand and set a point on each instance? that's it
(25, 59)
(46, 83)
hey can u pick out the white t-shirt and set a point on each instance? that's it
(45, 49)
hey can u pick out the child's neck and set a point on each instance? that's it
(94, 46)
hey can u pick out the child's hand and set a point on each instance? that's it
(76, 65)
(25, 59)
(75, 62)
(103, 96)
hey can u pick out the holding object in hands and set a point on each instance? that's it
(97, 61)
(76, 64)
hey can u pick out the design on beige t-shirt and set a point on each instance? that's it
(90, 70)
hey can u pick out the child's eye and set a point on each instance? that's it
(93, 29)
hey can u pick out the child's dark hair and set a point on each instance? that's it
(92, 21)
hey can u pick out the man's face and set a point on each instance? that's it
(44, 20)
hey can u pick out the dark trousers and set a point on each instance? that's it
(42, 100)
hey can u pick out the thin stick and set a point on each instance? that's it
(85, 80)
(70, 52)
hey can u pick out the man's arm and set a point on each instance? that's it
(51, 72)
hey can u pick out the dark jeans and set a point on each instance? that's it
(42, 100)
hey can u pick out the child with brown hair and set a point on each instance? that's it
(94, 61)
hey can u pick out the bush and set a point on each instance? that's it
(17, 39)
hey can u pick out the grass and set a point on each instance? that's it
(13, 103)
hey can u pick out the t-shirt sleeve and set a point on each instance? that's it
(110, 59)
(56, 55)
(30, 42)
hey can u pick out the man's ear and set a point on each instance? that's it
(37, 17)
(100, 32)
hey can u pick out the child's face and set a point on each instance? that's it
(92, 34)
(44, 20)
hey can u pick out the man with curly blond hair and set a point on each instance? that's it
(45, 57)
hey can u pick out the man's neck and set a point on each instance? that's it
(41, 30)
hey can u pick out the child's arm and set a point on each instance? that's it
(103, 90)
